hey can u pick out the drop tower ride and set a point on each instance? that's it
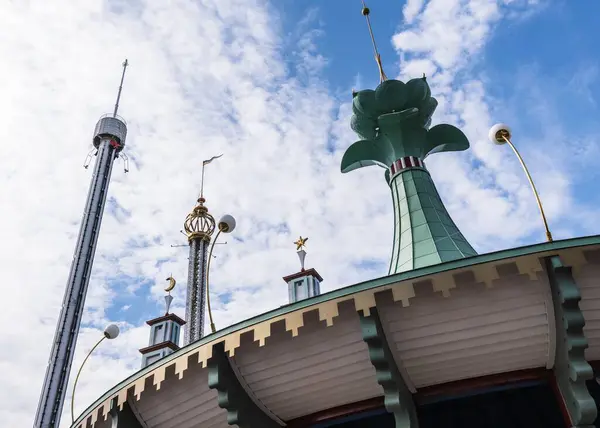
(109, 141)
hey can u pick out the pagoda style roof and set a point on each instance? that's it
(389, 337)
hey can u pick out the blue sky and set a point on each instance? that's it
(268, 85)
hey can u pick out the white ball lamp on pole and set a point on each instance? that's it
(501, 134)
(226, 225)
(110, 332)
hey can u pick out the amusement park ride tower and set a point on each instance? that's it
(109, 141)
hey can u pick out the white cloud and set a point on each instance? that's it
(209, 78)
(583, 79)
(411, 9)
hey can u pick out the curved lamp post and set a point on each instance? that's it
(110, 332)
(226, 225)
(500, 134)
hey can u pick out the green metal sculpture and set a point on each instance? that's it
(393, 122)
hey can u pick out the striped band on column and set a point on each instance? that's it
(405, 163)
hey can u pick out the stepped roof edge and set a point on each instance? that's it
(386, 282)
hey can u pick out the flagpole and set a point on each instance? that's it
(204, 163)
(202, 182)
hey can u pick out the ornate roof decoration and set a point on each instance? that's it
(199, 223)
(393, 122)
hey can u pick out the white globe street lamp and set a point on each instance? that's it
(110, 332)
(501, 134)
(226, 225)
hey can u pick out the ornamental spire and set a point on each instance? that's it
(307, 282)
(168, 289)
(300, 244)
(393, 123)
(200, 223)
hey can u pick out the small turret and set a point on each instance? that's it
(307, 282)
(164, 332)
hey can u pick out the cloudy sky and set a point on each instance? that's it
(268, 84)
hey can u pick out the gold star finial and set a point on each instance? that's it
(300, 243)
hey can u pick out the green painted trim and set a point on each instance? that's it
(397, 397)
(570, 367)
(352, 289)
(123, 418)
(241, 410)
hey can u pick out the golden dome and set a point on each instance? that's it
(199, 223)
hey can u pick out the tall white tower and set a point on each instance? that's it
(109, 141)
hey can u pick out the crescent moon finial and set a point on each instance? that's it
(171, 285)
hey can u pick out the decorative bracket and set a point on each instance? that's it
(124, 418)
(397, 397)
(570, 367)
(241, 410)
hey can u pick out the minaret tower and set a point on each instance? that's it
(393, 123)
(307, 282)
(199, 226)
(109, 141)
(164, 332)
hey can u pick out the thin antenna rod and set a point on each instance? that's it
(366, 11)
(125, 64)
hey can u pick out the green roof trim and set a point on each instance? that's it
(241, 410)
(349, 290)
(570, 366)
(398, 399)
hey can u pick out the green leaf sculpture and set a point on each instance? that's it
(393, 122)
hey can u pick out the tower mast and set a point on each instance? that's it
(199, 226)
(109, 140)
